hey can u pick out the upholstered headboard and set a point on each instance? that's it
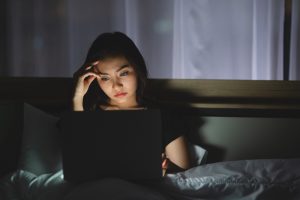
(232, 119)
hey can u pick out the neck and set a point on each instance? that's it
(125, 105)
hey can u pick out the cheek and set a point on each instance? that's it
(99, 83)
(103, 86)
(134, 79)
(133, 82)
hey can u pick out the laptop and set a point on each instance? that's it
(122, 144)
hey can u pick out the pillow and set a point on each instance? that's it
(192, 123)
(25, 185)
(198, 155)
(40, 150)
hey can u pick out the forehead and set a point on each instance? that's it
(111, 64)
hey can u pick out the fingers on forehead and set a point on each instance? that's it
(95, 63)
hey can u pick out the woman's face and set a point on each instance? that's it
(118, 80)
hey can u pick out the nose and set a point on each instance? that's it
(117, 84)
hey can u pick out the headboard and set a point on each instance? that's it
(232, 119)
(214, 97)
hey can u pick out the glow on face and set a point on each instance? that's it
(118, 80)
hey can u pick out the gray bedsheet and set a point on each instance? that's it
(246, 179)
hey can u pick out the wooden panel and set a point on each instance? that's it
(229, 94)
(199, 94)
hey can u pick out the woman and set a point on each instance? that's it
(113, 78)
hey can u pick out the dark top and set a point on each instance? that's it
(172, 125)
(172, 121)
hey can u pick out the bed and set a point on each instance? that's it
(249, 131)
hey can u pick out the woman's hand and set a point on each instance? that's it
(165, 162)
(168, 166)
(84, 77)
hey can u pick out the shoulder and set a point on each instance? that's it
(150, 104)
(173, 125)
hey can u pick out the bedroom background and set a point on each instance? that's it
(241, 124)
(195, 39)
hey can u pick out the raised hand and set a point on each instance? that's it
(165, 162)
(84, 77)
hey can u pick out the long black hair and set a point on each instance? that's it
(110, 45)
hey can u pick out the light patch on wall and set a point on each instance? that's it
(162, 26)
(38, 42)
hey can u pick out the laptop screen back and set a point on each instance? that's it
(122, 144)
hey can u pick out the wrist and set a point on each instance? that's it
(78, 103)
(77, 98)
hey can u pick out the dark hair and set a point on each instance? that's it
(110, 45)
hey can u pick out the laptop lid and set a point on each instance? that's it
(124, 144)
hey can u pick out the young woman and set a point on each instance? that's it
(113, 77)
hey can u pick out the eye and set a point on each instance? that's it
(125, 73)
(104, 78)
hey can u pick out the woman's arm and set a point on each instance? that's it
(84, 77)
(177, 154)
(77, 103)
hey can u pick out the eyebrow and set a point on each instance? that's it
(120, 68)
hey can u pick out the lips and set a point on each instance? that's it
(121, 94)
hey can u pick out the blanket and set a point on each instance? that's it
(244, 179)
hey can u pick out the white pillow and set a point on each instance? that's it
(29, 186)
(40, 150)
(198, 154)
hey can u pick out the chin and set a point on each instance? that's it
(120, 101)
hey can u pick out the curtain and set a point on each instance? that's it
(232, 39)
(194, 39)
(294, 73)
(36, 39)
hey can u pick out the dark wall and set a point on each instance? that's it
(11, 119)
(239, 138)
(2, 36)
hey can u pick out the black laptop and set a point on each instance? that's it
(122, 144)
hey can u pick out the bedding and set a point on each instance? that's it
(246, 179)
(40, 150)
(240, 179)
